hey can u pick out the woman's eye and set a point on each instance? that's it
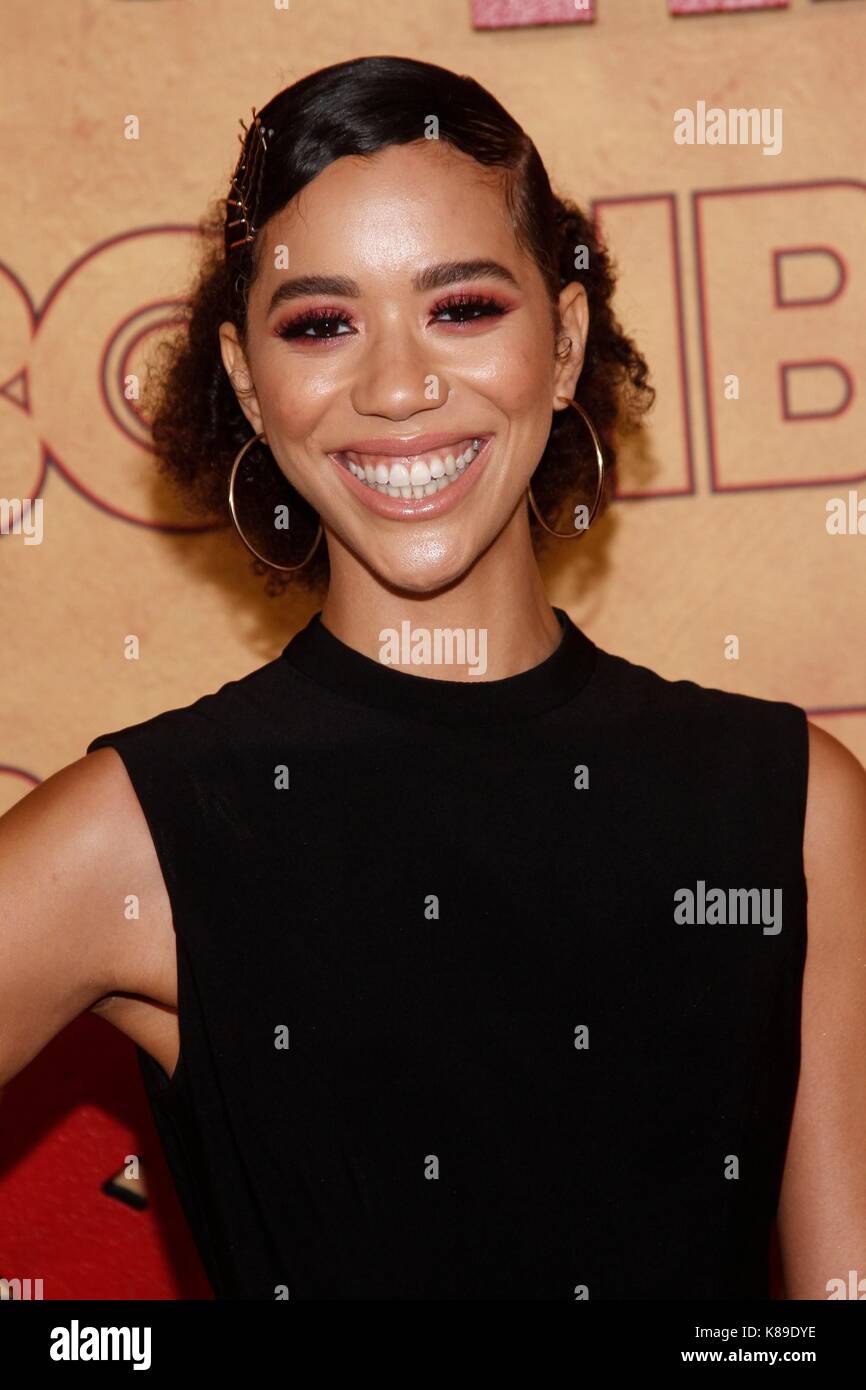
(316, 327)
(468, 309)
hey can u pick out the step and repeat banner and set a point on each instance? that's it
(720, 145)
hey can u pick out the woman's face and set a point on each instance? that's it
(401, 355)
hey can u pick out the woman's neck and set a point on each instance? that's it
(493, 622)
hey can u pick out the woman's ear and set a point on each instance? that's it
(571, 341)
(237, 368)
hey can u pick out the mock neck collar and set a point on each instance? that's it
(323, 657)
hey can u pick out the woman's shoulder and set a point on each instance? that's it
(208, 720)
(638, 692)
(186, 765)
(837, 801)
(771, 735)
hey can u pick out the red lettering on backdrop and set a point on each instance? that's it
(746, 332)
(519, 14)
(75, 367)
(723, 6)
(807, 378)
(644, 232)
(22, 462)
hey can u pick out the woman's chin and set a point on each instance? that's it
(426, 571)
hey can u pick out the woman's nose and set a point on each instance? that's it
(397, 377)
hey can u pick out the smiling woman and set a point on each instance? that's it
(417, 1007)
(438, 274)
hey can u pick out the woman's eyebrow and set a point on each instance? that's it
(436, 277)
(432, 277)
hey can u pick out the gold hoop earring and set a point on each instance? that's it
(599, 458)
(251, 548)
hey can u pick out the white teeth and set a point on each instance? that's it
(423, 478)
(419, 473)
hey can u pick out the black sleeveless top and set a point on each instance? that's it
(470, 1005)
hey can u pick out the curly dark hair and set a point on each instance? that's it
(357, 108)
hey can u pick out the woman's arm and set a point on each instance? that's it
(70, 853)
(822, 1211)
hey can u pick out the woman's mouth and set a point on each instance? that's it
(418, 475)
(414, 484)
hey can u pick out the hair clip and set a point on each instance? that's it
(246, 183)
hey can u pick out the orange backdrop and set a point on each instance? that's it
(742, 278)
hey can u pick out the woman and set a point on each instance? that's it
(470, 959)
